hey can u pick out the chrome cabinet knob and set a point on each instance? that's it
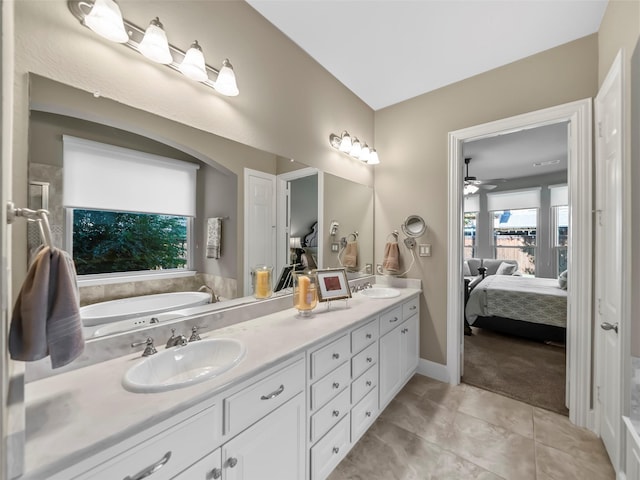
(336, 449)
(216, 473)
(369, 335)
(336, 356)
(368, 383)
(368, 414)
(369, 359)
(232, 462)
(336, 413)
(336, 385)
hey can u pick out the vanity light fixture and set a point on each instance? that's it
(353, 147)
(104, 18)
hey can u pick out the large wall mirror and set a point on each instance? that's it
(314, 202)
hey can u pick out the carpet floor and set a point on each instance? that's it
(532, 372)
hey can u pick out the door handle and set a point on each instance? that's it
(608, 326)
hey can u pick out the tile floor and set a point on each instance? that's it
(433, 430)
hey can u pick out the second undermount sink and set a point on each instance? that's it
(380, 292)
(183, 366)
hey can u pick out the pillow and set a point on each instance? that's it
(506, 269)
(562, 280)
(466, 271)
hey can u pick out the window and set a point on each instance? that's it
(560, 226)
(515, 224)
(127, 211)
(471, 209)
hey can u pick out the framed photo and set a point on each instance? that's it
(332, 285)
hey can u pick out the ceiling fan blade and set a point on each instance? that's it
(487, 186)
(492, 180)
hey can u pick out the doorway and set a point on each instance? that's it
(579, 331)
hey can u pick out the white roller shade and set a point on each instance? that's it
(514, 199)
(472, 203)
(105, 177)
(559, 195)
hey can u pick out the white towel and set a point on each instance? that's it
(214, 234)
(46, 317)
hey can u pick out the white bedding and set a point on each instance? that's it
(530, 299)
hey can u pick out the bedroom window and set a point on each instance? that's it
(514, 237)
(471, 209)
(559, 195)
(126, 211)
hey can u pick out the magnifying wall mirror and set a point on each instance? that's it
(413, 227)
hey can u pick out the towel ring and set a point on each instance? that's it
(354, 235)
(393, 234)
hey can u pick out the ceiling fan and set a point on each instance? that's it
(472, 184)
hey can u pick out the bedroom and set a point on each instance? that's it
(515, 249)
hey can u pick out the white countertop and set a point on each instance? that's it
(76, 414)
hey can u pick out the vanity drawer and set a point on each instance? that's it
(363, 384)
(329, 357)
(327, 388)
(175, 448)
(363, 336)
(328, 452)
(410, 308)
(254, 402)
(364, 360)
(328, 416)
(363, 414)
(390, 319)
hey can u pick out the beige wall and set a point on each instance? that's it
(620, 29)
(413, 136)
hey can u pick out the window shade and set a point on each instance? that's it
(514, 199)
(559, 195)
(472, 203)
(105, 177)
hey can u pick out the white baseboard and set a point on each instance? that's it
(434, 370)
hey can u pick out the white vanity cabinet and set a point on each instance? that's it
(632, 467)
(399, 328)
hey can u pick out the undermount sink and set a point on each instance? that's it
(183, 366)
(380, 292)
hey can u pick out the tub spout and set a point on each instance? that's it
(206, 288)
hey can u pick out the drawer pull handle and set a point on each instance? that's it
(368, 414)
(369, 359)
(413, 307)
(393, 320)
(336, 413)
(232, 462)
(368, 383)
(336, 356)
(336, 385)
(273, 394)
(151, 469)
(336, 449)
(216, 473)
(368, 335)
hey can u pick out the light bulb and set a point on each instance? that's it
(364, 153)
(154, 45)
(373, 157)
(193, 65)
(355, 148)
(345, 143)
(226, 81)
(105, 19)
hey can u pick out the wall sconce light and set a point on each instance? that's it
(353, 147)
(105, 18)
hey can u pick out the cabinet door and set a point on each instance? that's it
(391, 364)
(271, 448)
(410, 346)
(207, 468)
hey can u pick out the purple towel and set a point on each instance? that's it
(46, 317)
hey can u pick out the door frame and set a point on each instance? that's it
(579, 349)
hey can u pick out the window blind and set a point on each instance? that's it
(472, 203)
(514, 199)
(559, 195)
(105, 177)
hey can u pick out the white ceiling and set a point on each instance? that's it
(387, 51)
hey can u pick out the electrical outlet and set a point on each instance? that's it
(335, 247)
(424, 250)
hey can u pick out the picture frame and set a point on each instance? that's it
(332, 285)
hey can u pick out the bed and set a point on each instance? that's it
(525, 306)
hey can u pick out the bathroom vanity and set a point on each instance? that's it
(305, 392)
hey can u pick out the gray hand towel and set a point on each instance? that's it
(214, 234)
(46, 317)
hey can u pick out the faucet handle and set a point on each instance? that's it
(150, 349)
(194, 334)
(172, 339)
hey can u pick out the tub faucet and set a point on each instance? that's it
(207, 288)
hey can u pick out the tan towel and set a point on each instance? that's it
(391, 261)
(46, 317)
(214, 233)
(350, 255)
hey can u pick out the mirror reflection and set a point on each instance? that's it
(307, 202)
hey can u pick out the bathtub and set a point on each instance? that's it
(146, 305)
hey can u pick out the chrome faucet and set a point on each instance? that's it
(176, 341)
(207, 288)
(150, 349)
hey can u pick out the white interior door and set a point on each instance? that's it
(259, 222)
(609, 268)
